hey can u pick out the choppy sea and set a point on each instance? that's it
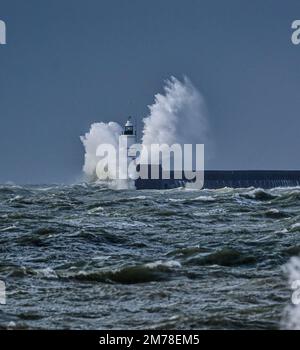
(88, 257)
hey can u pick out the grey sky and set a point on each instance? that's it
(68, 63)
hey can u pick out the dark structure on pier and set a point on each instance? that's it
(214, 179)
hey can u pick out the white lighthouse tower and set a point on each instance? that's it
(129, 154)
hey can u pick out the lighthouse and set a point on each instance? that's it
(128, 138)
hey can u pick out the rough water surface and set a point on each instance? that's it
(87, 257)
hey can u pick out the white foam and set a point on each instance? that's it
(100, 133)
(295, 227)
(9, 228)
(177, 116)
(291, 316)
(169, 264)
(204, 199)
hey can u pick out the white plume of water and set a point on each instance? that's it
(291, 317)
(100, 133)
(177, 116)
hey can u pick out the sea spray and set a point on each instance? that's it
(176, 117)
(179, 116)
(100, 133)
(291, 317)
(127, 254)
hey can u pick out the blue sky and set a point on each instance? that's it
(68, 63)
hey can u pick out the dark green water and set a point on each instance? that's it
(86, 257)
